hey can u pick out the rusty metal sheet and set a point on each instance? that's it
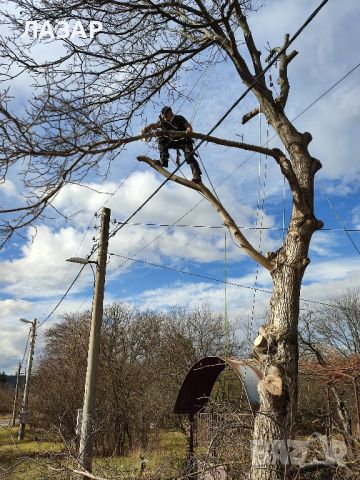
(198, 383)
(250, 376)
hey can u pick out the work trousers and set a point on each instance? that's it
(186, 145)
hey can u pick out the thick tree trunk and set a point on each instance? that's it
(279, 388)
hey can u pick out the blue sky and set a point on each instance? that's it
(35, 273)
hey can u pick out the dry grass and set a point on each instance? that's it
(42, 457)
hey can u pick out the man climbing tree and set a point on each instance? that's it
(81, 111)
(168, 122)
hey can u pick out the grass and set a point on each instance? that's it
(25, 459)
(164, 458)
(31, 458)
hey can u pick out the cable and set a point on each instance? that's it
(259, 76)
(227, 113)
(217, 280)
(258, 209)
(26, 347)
(237, 168)
(243, 227)
(326, 92)
(63, 297)
(207, 175)
(226, 321)
(340, 221)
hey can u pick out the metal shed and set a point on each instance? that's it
(196, 388)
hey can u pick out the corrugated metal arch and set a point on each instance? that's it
(196, 388)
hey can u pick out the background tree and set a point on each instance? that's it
(329, 337)
(85, 105)
(144, 358)
(333, 329)
(6, 399)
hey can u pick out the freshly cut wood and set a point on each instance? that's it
(272, 382)
(261, 342)
(273, 385)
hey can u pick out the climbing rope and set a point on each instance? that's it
(226, 320)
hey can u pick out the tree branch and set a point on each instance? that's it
(248, 116)
(288, 171)
(209, 139)
(249, 40)
(217, 205)
(283, 80)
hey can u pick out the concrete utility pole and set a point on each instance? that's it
(24, 407)
(12, 424)
(88, 416)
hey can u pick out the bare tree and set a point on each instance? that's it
(334, 329)
(330, 336)
(144, 358)
(84, 106)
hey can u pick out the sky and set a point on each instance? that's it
(35, 274)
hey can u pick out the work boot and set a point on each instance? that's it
(196, 172)
(164, 162)
(160, 163)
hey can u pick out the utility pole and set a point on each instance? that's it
(88, 415)
(16, 395)
(24, 414)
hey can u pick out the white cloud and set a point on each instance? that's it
(10, 307)
(324, 244)
(8, 189)
(167, 207)
(344, 269)
(41, 269)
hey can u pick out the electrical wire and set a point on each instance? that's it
(63, 297)
(233, 106)
(213, 279)
(226, 320)
(25, 349)
(258, 210)
(243, 227)
(340, 221)
(326, 92)
(227, 113)
(240, 166)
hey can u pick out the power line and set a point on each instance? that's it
(225, 179)
(243, 227)
(240, 166)
(326, 91)
(63, 296)
(206, 277)
(233, 106)
(340, 221)
(227, 113)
